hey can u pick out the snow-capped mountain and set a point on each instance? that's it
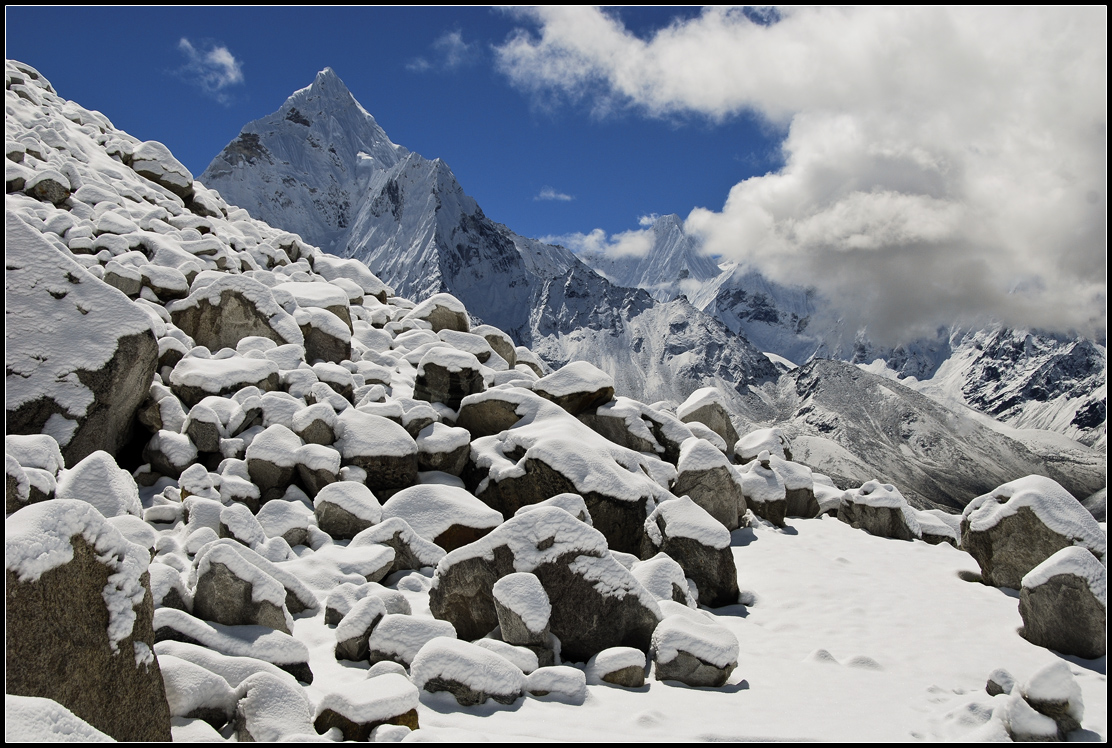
(322, 167)
(1023, 378)
(672, 266)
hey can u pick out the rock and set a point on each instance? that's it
(619, 666)
(319, 296)
(389, 699)
(379, 446)
(470, 673)
(707, 477)
(502, 344)
(691, 648)
(752, 444)
(316, 424)
(355, 627)
(194, 692)
(49, 186)
(799, 488)
(398, 638)
(1053, 692)
(448, 516)
(1063, 604)
(233, 307)
(79, 355)
(344, 509)
(194, 378)
(327, 337)
(272, 461)
(559, 682)
(445, 375)
(443, 448)
(79, 620)
(98, 480)
(523, 609)
(705, 406)
(568, 558)
(410, 549)
(491, 412)
(154, 161)
(232, 591)
(169, 453)
(699, 544)
(999, 681)
(443, 311)
(881, 510)
(664, 579)
(764, 490)
(620, 421)
(318, 466)
(576, 387)
(1020, 524)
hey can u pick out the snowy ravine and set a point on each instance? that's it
(254, 494)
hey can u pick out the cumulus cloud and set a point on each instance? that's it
(548, 193)
(450, 51)
(941, 165)
(210, 67)
(636, 243)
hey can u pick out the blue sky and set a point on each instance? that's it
(427, 75)
(919, 166)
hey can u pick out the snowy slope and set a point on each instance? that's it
(410, 221)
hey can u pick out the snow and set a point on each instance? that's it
(452, 360)
(221, 375)
(362, 434)
(572, 503)
(658, 575)
(700, 398)
(685, 519)
(35, 451)
(877, 494)
(190, 687)
(522, 657)
(98, 480)
(234, 670)
(522, 593)
(469, 664)
(425, 550)
(360, 617)
(1049, 501)
(611, 660)
(273, 708)
(558, 682)
(377, 699)
(31, 719)
(1023, 720)
(1074, 561)
(431, 509)
(699, 454)
(276, 445)
(1055, 684)
(439, 438)
(750, 445)
(257, 642)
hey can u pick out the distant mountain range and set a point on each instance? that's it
(672, 320)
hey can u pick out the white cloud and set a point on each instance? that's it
(597, 242)
(212, 68)
(450, 52)
(936, 159)
(548, 193)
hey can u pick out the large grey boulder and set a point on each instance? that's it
(568, 558)
(411, 551)
(79, 355)
(445, 375)
(443, 312)
(232, 591)
(576, 387)
(705, 406)
(387, 699)
(699, 544)
(1020, 524)
(704, 474)
(1064, 605)
(79, 620)
(690, 647)
(231, 308)
(195, 378)
(379, 446)
(880, 509)
(764, 489)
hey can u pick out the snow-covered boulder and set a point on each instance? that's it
(98, 480)
(446, 375)
(880, 509)
(443, 312)
(572, 503)
(444, 448)
(195, 692)
(411, 551)
(699, 543)
(448, 516)
(499, 341)
(154, 161)
(327, 337)
(233, 591)
(619, 666)
(1020, 524)
(224, 312)
(764, 489)
(523, 612)
(1053, 692)
(379, 446)
(704, 474)
(559, 682)
(690, 647)
(799, 488)
(272, 461)
(596, 603)
(1064, 605)
(664, 579)
(346, 508)
(620, 421)
(356, 626)
(195, 378)
(31, 719)
(705, 406)
(493, 411)
(79, 619)
(270, 708)
(318, 466)
(389, 699)
(752, 444)
(79, 355)
(398, 638)
(470, 673)
(576, 387)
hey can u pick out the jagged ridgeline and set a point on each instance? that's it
(254, 491)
